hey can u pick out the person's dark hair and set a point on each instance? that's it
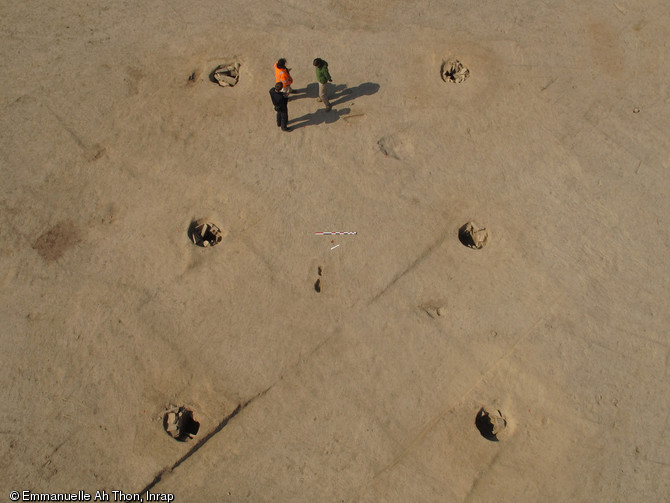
(318, 62)
(278, 86)
(281, 63)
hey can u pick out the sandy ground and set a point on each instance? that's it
(557, 143)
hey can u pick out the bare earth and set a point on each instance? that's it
(114, 140)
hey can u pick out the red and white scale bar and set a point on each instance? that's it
(336, 233)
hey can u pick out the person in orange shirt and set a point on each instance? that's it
(282, 75)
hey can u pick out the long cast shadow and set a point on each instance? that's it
(310, 91)
(318, 117)
(338, 93)
(342, 93)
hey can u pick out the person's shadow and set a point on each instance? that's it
(342, 93)
(318, 117)
(310, 91)
(338, 94)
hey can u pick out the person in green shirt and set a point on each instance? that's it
(323, 77)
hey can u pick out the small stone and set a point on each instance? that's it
(227, 79)
(441, 311)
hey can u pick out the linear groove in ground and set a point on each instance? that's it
(411, 266)
(202, 441)
(237, 410)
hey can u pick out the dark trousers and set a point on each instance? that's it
(282, 118)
